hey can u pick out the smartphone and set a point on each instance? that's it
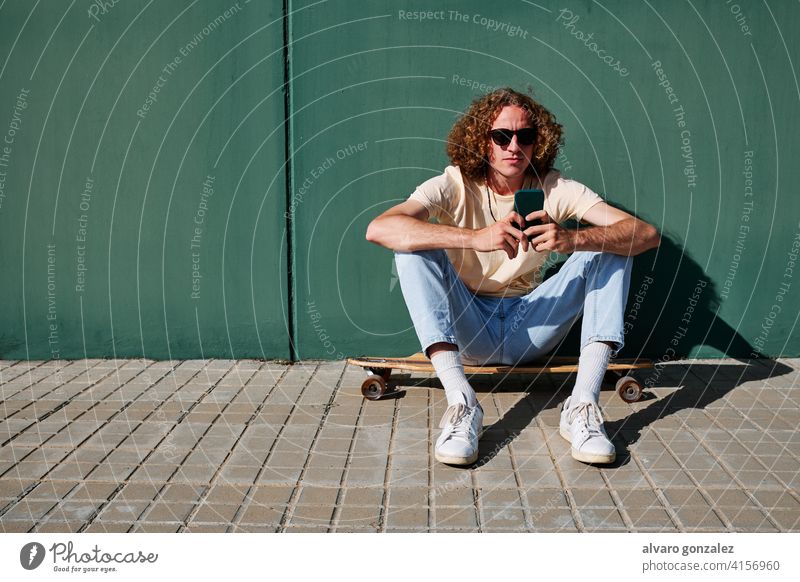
(527, 201)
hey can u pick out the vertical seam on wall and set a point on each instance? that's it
(288, 148)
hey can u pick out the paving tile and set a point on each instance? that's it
(362, 496)
(138, 491)
(629, 477)
(447, 477)
(323, 477)
(156, 527)
(642, 498)
(58, 527)
(109, 527)
(502, 518)
(462, 518)
(538, 498)
(695, 517)
(776, 499)
(549, 519)
(260, 514)
(30, 511)
(592, 497)
(728, 497)
(149, 473)
(452, 496)
(644, 518)
(181, 492)
(232, 474)
(362, 517)
(206, 528)
(534, 479)
(92, 490)
(224, 493)
(407, 477)
(298, 528)
(357, 477)
(316, 495)
(408, 496)
(122, 510)
(499, 498)
(215, 512)
(68, 511)
(15, 526)
(317, 515)
(749, 520)
(488, 479)
(601, 519)
(671, 479)
(270, 476)
(163, 511)
(789, 519)
(407, 517)
(583, 476)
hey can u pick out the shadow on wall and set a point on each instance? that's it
(671, 311)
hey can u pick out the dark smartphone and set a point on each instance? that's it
(527, 201)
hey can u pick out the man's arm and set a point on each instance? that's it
(405, 228)
(614, 231)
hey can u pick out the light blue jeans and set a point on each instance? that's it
(515, 330)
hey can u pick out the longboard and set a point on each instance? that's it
(379, 371)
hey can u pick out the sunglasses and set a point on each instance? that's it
(502, 137)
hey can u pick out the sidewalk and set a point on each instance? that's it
(252, 446)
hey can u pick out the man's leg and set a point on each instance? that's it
(449, 319)
(592, 366)
(590, 283)
(444, 313)
(595, 284)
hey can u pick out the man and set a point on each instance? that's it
(472, 283)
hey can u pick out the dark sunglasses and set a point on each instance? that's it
(503, 137)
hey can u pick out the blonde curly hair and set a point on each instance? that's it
(468, 145)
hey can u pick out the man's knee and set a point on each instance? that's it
(605, 257)
(429, 256)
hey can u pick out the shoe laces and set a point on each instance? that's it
(588, 416)
(458, 419)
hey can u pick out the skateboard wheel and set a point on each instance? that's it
(629, 389)
(373, 387)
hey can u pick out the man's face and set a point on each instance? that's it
(513, 159)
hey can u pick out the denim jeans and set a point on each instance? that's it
(515, 330)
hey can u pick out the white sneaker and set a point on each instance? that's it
(582, 426)
(462, 427)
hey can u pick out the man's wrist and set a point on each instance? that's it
(580, 239)
(467, 238)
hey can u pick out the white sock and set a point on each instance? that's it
(592, 366)
(450, 371)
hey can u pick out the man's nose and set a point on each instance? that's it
(514, 145)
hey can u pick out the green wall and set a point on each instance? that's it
(313, 124)
(207, 154)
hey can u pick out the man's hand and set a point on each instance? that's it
(501, 235)
(549, 236)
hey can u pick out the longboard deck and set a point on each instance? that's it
(420, 363)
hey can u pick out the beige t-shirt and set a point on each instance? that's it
(454, 203)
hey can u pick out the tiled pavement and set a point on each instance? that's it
(252, 446)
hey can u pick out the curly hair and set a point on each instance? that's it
(468, 144)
